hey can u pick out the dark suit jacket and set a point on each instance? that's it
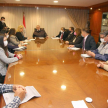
(70, 37)
(64, 35)
(90, 43)
(2, 25)
(78, 40)
(40, 33)
(20, 36)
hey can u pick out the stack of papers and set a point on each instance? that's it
(32, 39)
(25, 44)
(20, 48)
(55, 38)
(74, 48)
(85, 55)
(31, 93)
(79, 104)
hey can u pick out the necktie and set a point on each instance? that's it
(84, 44)
(61, 35)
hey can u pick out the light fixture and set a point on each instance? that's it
(63, 61)
(63, 87)
(37, 8)
(55, 1)
(22, 73)
(99, 9)
(54, 71)
(17, 0)
(91, 8)
(65, 8)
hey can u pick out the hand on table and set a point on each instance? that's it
(90, 53)
(71, 46)
(101, 65)
(20, 56)
(19, 45)
(67, 42)
(20, 92)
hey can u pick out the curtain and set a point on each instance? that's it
(51, 19)
(78, 17)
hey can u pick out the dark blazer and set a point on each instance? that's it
(2, 25)
(40, 33)
(78, 40)
(20, 36)
(90, 43)
(70, 37)
(64, 35)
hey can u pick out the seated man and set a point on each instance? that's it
(62, 34)
(88, 43)
(39, 32)
(71, 34)
(20, 93)
(101, 52)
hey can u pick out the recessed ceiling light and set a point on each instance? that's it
(99, 9)
(65, 8)
(55, 1)
(17, 0)
(91, 8)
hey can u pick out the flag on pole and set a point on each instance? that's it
(24, 24)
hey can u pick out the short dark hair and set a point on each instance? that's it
(2, 18)
(63, 28)
(86, 30)
(72, 28)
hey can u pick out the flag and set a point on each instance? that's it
(24, 24)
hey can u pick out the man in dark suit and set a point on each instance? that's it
(88, 42)
(70, 34)
(39, 32)
(62, 34)
(2, 23)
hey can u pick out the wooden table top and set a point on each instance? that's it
(59, 75)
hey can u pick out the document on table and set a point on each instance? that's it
(85, 55)
(73, 48)
(79, 104)
(41, 38)
(31, 93)
(55, 38)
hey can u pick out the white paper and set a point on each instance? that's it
(79, 104)
(41, 38)
(31, 92)
(20, 48)
(73, 48)
(85, 55)
(24, 43)
(32, 39)
(55, 38)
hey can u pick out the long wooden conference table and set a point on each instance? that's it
(59, 75)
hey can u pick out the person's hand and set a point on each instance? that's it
(90, 53)
(19, 45)
(18, 86)
(20, 56)
(71, 46)
(20, 93)
(67, 42)
(47, 37)
(28, 38)
(100, 65)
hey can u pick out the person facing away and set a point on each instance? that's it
(71, 34)
(19, 33)
(19, 95)
(101, 52)
(2, 23)
(6, 57)
(88, 42)
(77, 39)
(39, 32)
(62, 34)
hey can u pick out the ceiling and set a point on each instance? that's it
(82, 3)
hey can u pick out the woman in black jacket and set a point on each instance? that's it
(19, 33)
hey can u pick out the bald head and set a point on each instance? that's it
(38, 27)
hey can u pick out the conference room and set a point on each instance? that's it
(53, 54)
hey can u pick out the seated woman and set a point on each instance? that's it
(103, 65)
(19, 33)
(6, 57)
(77, 38)
(101, 52)
(13, 40)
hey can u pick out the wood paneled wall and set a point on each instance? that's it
(96, 20)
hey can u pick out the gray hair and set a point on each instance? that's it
(104, 33)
